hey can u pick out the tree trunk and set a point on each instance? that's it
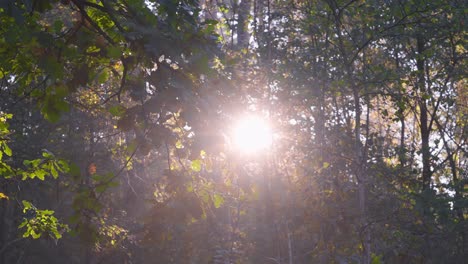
(243, 35)
(360, 175)
(423, 117)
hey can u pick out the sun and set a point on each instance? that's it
(252, 134)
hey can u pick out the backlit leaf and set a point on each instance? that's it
(196, 165)
(218, 200)
(3, 196)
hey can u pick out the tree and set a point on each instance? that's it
(116, 116)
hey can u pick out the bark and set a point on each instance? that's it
(423, 117)
(402, 150)
(243, 34)
(360, 175)
(401, 115)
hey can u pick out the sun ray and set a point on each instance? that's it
(252, 134)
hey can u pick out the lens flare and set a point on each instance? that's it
(252, 134)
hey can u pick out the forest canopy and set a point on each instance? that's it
(233, 131)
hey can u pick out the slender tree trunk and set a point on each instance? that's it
(402, 150)
(243, 34)
(425, 134)
(401, 116)
(423, 117)
(360, 175)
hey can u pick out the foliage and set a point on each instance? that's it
(39, 222)
(118, 115)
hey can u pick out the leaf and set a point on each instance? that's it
(47, 154)
(27, 233)
(50, 114)
(40, 174)
(74, 170)
(7, 150)
(101, 188)
(117, 110)
(114, 52)
(196, 165)
(218, 200)
(26, 206)
(103, 76)
(53, 171)
(326, 165)
(23, 224)
(52, 67)
(47, 212)
(34, 234)
(56, 234)
(62, 166)
(58, 25)
(3, 196)
(376, 259)
(92, 169)
(113, 184)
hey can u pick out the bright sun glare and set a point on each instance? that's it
(252, 134)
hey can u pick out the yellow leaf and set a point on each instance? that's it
(3, 196)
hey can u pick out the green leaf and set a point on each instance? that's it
(53, 171)
(218, 200)
(27, 205)
(26, 175)
(47, 212)
(74, 170)
(47, 155)
(27, 233)
(7, 150)
(40, 174)
(117, 110)
(103, 76)
(56, 234)
(426, 96)
(23, 224)
(101, 188)
(62, 166)
(114, 52)
(34, 234)
(113, 184)
(52, 67)
(58, 25)
(376, 259)
(196, 165)
(50, 114)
